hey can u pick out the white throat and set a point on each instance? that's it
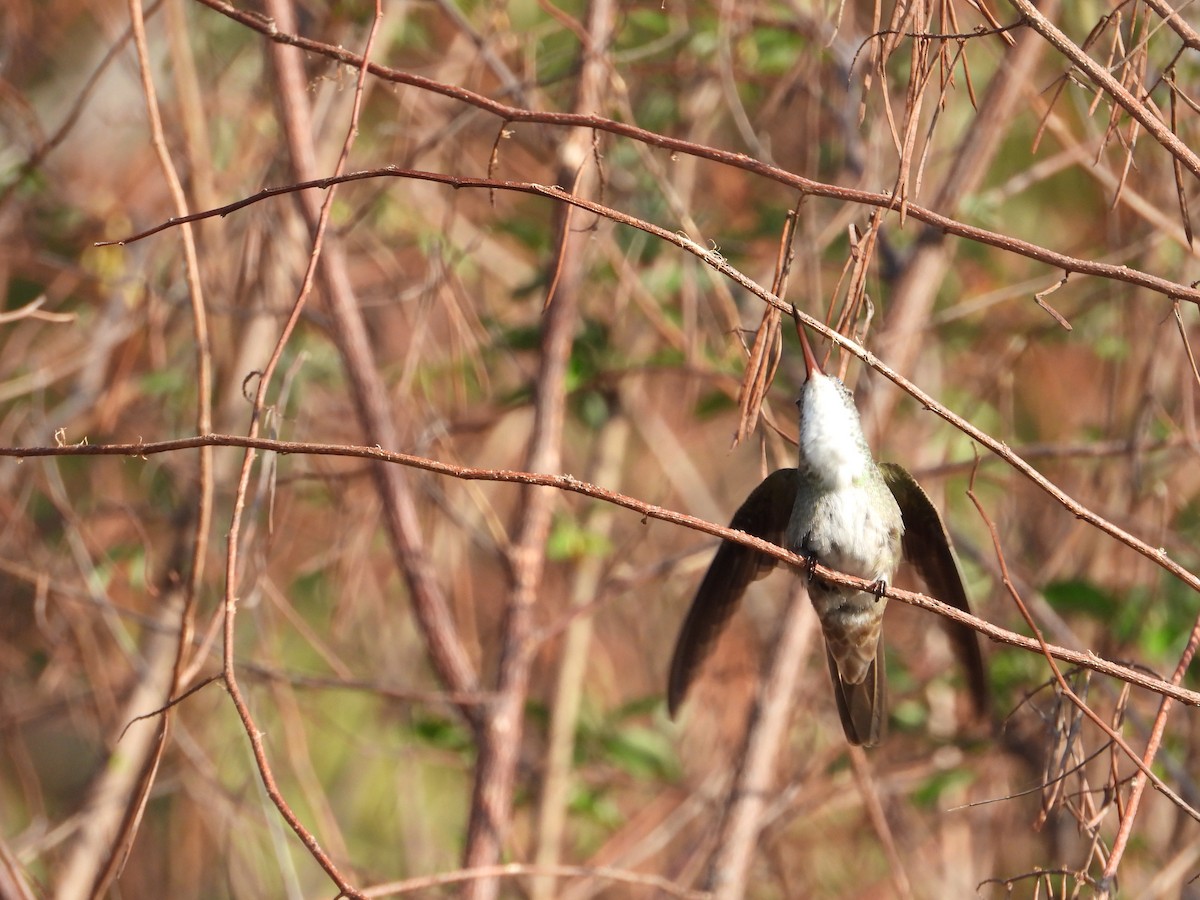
(831, 438)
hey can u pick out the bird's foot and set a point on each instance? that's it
(810, 565)
(879, 588)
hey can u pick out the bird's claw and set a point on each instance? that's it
(810, 565)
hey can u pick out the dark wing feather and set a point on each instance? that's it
(765, 514)
(927, 546)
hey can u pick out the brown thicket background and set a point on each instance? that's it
(448, 673)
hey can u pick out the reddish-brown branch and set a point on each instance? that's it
(1143, 763)
(1189, 35)
(294, 106)
(506, 113)
(1061, 261)
(1109, 85)
(1086, 659)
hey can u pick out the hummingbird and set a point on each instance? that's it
(842, 508)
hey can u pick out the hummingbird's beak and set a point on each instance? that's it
(810, 359)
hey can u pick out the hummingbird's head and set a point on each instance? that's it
(832, 443)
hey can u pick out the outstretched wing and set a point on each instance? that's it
(927, 546)
(765, 514)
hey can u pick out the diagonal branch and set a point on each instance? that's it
(741, 161)
(1155, 283)
(1117, 91)
(447, 653)
(1086, 659)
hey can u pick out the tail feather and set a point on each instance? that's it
(863, 706)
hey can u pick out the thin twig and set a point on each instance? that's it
(425, 883)
(873, 806)
(294, 104)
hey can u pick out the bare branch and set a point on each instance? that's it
(1086, 659)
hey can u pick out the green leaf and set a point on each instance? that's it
(927, 793)
(163, 382)
(595, 804)
(641, 751)
(908, 715)
(570, 540)
(1076, 595)
(714, 403)
(440, 732)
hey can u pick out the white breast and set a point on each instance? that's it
(854, 530)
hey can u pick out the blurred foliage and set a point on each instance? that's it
(453, 286)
